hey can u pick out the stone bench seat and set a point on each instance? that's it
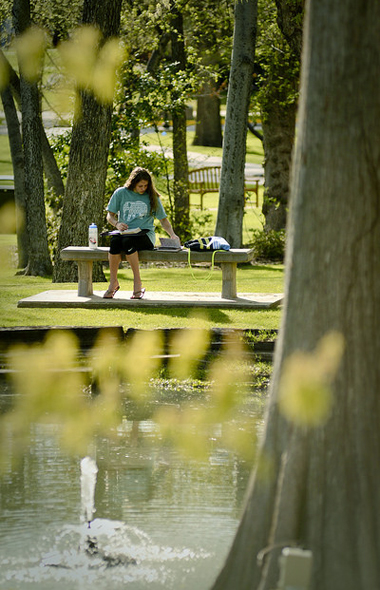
(227, 259)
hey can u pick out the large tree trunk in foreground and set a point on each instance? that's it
(319, 487)
(84, 198)
(229, 222)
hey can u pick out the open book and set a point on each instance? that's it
(171, 244)
(125, 232)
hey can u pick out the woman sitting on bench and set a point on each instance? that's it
(134, 207)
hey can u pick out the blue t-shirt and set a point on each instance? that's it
(134, 210)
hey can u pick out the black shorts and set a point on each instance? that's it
(130, 244)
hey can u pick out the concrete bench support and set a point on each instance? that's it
(229, 280)
(85, 288)
(228, 261)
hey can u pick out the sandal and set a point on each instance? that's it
(110, 293)
(138, 294)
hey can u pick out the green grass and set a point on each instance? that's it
(252, 279)
(254, 148)
(6, 167)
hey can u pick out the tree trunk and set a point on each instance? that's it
(231, 197)
(181, 173)
(278, 109)
(84, 198)
(181, 168)
(289, 19)
(278, 123)
(15, 144)
(321, 486)
(208, 126)
(51, 169)
(39, 262)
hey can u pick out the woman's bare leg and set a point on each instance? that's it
(133, 260)
(114, 262)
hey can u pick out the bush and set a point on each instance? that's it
(269, 245)
(201, 223)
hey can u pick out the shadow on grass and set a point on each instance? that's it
(268, 267)
(210, 315)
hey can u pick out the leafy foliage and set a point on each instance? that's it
(57, 17)
(201, 223)
(269, 245)
(277, 63)
(6, 21)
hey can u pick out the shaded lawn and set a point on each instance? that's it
(250, 279)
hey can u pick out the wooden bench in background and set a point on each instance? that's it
(207, 180)
(227, 259)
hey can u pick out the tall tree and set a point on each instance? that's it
(211, 41)
(278, 95)
(39, 262)
(84, 196)
(320, 486)
(231, 197)
(51, 170)
(181, 167)
(17, 155)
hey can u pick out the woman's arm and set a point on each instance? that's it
(168, 228)
(113, 220)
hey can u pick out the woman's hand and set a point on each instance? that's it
(112, 219)
(121, 226)
(169, 230)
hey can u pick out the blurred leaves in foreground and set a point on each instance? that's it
(92, 65)
(30, 47)
(88, 62)
(94, 395)
(305, 396)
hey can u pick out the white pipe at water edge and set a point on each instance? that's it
(89, 470)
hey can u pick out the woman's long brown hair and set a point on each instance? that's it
(138, 174)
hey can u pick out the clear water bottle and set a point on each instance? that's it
(93, 236)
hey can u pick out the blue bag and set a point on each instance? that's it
(209, 243)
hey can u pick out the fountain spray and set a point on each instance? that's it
(89, 470)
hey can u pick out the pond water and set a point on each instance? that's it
(161, 521)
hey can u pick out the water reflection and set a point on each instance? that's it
(168, 522)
